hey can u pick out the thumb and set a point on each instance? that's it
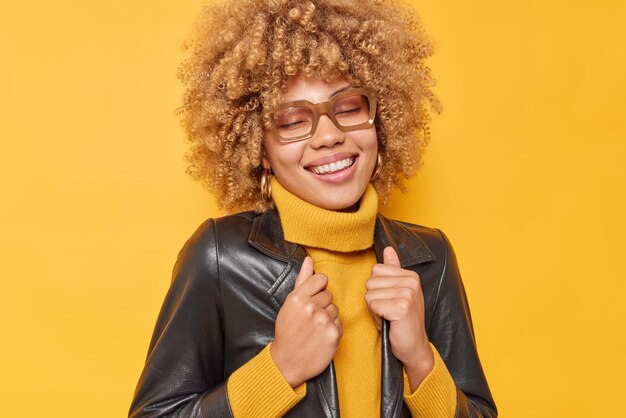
(306, 271)
(391, 257)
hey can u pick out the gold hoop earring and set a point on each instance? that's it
(379, 164)
(266, 184)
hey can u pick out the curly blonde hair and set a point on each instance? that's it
(242, 54)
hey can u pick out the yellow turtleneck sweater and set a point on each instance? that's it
(340, 244)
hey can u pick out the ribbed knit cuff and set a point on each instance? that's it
(259, 389)
(436, 395)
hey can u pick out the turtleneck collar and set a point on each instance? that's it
(312, 226)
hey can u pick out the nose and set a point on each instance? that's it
(326, 134)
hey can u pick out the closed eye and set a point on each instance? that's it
(348, 111)
(291, 125)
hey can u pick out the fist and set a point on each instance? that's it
(395, 294)
(308, 329)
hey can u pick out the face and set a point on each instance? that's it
(331, 169)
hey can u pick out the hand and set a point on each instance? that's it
(395, 294)
(308, 328)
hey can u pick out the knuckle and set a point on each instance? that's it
(334, 334)
(403, 305)
(295, 298)
(337, 322)
(320, 318)
(320, 277)
(309, 308)
(374, 304)
(408, 294)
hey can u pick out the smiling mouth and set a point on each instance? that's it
(332, 167)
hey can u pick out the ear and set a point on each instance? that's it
(265, 162)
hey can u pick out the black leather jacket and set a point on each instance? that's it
(229, 283)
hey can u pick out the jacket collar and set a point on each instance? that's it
(267, 236)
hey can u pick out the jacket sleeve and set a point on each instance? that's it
(184, 371)
(451, 332)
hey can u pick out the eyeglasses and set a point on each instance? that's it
(349, 110)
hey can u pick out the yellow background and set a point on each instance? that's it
(525, 173)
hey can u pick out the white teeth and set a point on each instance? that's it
(332, 167)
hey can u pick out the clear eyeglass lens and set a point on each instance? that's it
(352, 110)
(293, 122)
(297, 121)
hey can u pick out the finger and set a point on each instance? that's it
(391, 293)
(391, 257)
(306, 271)
(333, 311)
(379, 323)
(313, 285)
(377, 320)
(390, 309)
(411, 282)
(323, 298)
(379, 269)
(339, 327)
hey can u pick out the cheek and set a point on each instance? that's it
(369, 142)
(368, 139)
(374, 140)
(283, 156)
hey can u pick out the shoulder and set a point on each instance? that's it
(202, 247)
(430, 235)
(209, 232)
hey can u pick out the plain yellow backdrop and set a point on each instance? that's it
(525, 173)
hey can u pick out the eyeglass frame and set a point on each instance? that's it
(325, 108)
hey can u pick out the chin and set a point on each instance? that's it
(347, 205)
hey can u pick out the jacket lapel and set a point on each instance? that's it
(267, 236)
(409, 246)
(411, 250)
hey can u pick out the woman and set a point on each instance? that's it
(314, 304)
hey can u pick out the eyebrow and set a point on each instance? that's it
(340, 90)
(336, 92)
